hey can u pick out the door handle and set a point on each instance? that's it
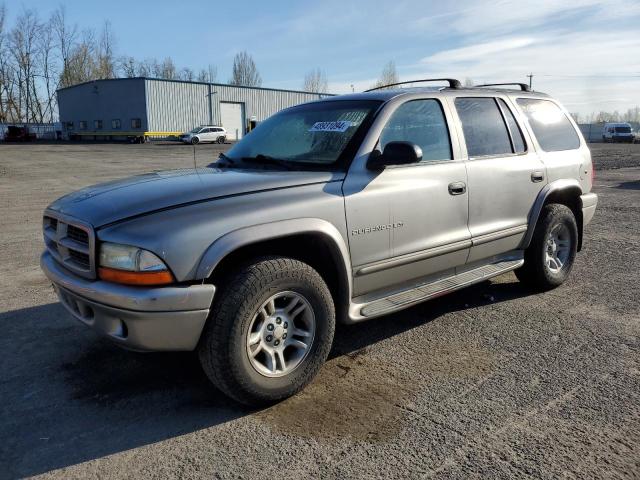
(457, 188)
(537, 176)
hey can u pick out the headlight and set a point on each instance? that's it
(132, 265)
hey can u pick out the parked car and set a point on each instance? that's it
(344, 209)
(617, 132)
(16, 133)
(205, 133)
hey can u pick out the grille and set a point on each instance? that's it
(77, 234)
(70, 243)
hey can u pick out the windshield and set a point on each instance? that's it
(315, 133)
(623, 129)
(196, 130)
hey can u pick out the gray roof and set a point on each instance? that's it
(193, 81)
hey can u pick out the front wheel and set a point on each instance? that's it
(269, 332)
(550, 256)
(195, 141)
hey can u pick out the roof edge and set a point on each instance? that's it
(196, 83)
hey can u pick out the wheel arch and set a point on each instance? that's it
(311, 240)
(565, 192)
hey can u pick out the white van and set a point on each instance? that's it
(617, 132)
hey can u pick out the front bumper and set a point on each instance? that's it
(589, 203)
(138, 318)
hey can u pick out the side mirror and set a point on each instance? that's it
(395, 153)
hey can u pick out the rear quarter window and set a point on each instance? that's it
(550, 125)
(484, 129)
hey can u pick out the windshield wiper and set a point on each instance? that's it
(267, 159)
(223, 161)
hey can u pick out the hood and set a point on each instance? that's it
(110, 202)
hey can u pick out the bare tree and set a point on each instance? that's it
(24, 50)
(209, 74)
(245, 72)
(49, 70)
(81, 63)
(147, 67)
(127, 67)
(66, 37)
(186, 74)
(6, 73)
(388, 75)
(167, 69)
(316, 81)
(105, 63)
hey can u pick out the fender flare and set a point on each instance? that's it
(242, 237)
(564, 184)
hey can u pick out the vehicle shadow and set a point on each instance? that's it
(70, 397)
(351, 338)
(633, 185)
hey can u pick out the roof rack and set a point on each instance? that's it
(453, 83)
(523, 86)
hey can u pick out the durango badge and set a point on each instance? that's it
(376, 228)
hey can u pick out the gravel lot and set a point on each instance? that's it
(491, 381)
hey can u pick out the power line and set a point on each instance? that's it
(595, 75)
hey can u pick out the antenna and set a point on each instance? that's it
(530, 80)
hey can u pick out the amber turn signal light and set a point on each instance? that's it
(135, 278)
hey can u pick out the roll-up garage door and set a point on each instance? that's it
(232, 117)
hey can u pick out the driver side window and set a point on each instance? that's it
(421, 122)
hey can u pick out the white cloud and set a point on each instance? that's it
(472, 52)
(588, 71)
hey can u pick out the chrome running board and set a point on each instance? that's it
(416, 294)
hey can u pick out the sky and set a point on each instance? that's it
(586, 53)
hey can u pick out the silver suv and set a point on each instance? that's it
(344, 209)
(204, 133)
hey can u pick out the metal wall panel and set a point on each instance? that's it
(180, 106)
(105, 100)
(176, 106)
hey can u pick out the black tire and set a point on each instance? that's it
(195, 141)
(221, 140)
(223, 348)
(535, 272)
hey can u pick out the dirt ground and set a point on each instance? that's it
(491, 382)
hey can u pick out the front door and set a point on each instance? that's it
(505, 175)
(407, 223)
(207, 135)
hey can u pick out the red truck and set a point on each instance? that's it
(18, 134)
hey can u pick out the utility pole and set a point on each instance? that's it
(530, 79)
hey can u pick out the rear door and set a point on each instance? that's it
(505, 175)
(207, 135)
(406, 222)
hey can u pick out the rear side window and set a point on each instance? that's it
(550, 125)
(421, 122)
(514, 129)
(484, 129)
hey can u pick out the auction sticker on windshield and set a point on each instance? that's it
(337, 126)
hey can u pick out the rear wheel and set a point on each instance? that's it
(550, 256)
(270, 331)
